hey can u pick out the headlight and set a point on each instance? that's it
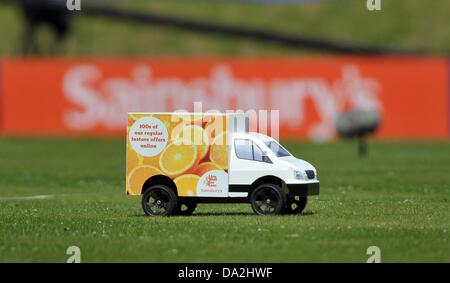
(298, 175)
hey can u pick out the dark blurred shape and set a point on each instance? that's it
(52, 13)
(257, 34)
(358, 123)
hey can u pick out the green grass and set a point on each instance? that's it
(398, 198)
(415, 24)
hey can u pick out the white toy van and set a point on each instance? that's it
(177, 160)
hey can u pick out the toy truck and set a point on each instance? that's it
(177, 160)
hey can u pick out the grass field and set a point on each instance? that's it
(410, 24)
(398, 198)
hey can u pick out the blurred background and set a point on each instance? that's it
(331, 67)
(401, 24)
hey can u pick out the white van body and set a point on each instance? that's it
(257, 170)
(292, 171)
(298, 176)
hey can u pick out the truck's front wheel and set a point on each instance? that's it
(296, 204)
(185, 208)
(159, 200)
(268, 199)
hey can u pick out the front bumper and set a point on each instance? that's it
(308, 189)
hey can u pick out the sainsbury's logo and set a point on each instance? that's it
(211, 181)
(100, 101)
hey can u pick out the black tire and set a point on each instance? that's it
(159, 200)
(185, 208)
(295, 204)
(268, 199)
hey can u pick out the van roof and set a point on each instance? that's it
(261, 137)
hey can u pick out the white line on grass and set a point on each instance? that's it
(38, 197)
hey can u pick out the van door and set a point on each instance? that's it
(246, 165)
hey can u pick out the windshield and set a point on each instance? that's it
(277, 149)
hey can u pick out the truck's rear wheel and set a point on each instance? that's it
(268, 199)
(159, 200)
(296, 204)
(185, 208)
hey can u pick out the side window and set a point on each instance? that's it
(246, 149)
(243, 149)
(257, 153)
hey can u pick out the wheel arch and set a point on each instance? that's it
(159, 180)
(268, 179)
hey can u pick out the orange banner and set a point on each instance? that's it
(91, 97)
